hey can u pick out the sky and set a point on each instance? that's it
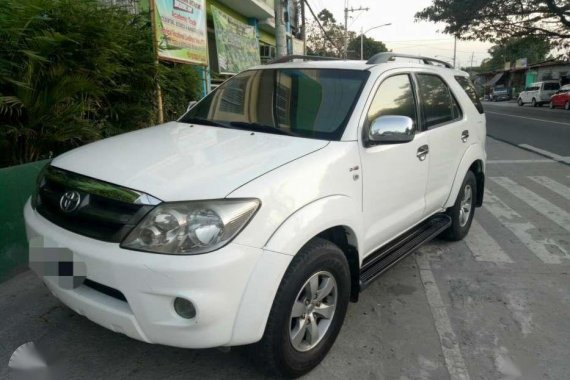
(404, 35)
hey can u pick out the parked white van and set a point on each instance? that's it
(538, 93)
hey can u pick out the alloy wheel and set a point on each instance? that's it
(466, 205)
(313, 311)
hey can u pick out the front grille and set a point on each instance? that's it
(105, 211)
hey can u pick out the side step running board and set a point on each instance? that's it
(397, 249)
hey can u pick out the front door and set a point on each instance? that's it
(394, 175)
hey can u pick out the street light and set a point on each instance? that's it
(362, 38)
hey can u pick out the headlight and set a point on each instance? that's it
(189, 228)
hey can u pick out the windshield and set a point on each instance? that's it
(312, 103)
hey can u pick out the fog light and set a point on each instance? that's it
(184, 308)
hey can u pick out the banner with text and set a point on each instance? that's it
(181, 30)
(236, 43)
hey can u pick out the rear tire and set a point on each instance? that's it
(463, 210)
(520, 102)
(281, 350)
(567, 106)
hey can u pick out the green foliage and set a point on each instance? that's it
(497, 20)
(533, 48)
(370, 47)
(73, 71)
(317, 41)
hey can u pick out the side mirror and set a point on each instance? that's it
(391, 130)
(191, 104)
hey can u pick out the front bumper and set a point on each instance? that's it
(223, 285)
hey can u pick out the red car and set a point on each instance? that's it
(561, 98)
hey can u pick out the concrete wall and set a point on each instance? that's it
(16, 185)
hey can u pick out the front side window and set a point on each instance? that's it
(438, 104)
(311, 103)
(469, 89)
(394, 97)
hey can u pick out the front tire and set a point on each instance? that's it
(551, 105)
(308, 311)
(463, 210)
(520, 102)
(534, 103)
(567, 106)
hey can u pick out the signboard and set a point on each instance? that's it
(507, 65)
(236, 43)
(181, 30)
(521, 63)
(298, 47)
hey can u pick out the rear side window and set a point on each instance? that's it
(551, 86)
(438, 104)
(469, 88)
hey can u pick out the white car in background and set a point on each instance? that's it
(538, 93)
(273, 202)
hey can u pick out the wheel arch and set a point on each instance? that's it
(473, 160)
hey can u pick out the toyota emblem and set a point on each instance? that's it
(70, 201)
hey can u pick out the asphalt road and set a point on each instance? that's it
(495, 306)
(542, 128)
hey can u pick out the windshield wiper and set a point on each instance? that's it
(201, 120)
(261, 128)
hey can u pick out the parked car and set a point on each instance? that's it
(501, 93)
(273, 202)
(561, 98)
(538, 93)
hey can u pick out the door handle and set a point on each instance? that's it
(422, 152)
(465, 136)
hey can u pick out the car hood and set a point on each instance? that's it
(177, 161)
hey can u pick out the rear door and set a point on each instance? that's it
(448, 136)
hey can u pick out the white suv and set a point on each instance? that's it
(266, 208)
(538, 93)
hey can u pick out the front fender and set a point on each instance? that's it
(474, 152)
(314, 218)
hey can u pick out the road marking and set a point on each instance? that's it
(552, 185)
(525, 231)
(552, 212)
(451, 353)
(528, 118)
(544, 161)
(546, 153)
(484, 247)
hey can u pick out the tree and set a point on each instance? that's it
(497, 20)
(371, 47)
(329, 40)
(533, 48)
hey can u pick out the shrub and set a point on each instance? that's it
(75, 71)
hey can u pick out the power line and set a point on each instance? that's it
(320, 26)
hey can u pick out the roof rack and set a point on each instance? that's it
(387, 57)
(289, 58)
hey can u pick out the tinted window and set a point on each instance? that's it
(469, 88)
(313, 103)
(551, 86)
(395, 96)
(438, 104)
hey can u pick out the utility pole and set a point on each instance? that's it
(346, 10)
(303, 27)
(280, 34)
(472, 56)
(454, 51)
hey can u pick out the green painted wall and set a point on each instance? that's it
(16, 185)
